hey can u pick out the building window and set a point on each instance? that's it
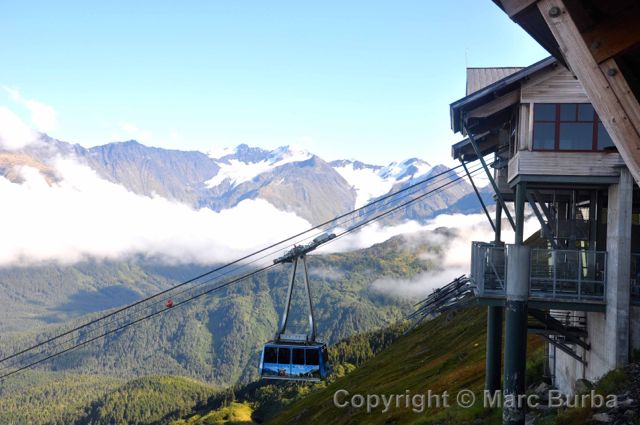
(568, 127)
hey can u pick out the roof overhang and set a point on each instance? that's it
(495, 97)
(599, 40)
(463, 150)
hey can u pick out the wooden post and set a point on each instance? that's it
(610, 99)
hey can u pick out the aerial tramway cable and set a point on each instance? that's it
(239, 260)
(236, 280)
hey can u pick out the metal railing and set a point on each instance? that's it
(564, 275)
(568, 274)
(488, 268)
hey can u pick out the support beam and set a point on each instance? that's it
(499, 197)
(619, 85)
(475, 189)
(521, 190)
(495, 314)
(547, 213)
(493, 370)
(563, 347)
(498, 228)
(513, 7)
(496, 105)
(548, 233)
(515, 355)
(607, 99)
(614, 35)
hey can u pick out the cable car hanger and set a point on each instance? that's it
(296, 254)
(292, 357)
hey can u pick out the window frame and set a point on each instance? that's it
(558, 121)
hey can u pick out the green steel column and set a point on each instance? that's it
(515, 355)
(521, 198)
(493, 373)
(494, 349)
(498, 222)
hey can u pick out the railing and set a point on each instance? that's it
(563, 275)
(568, 274)
(488, 268)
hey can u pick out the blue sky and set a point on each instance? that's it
(370, 80)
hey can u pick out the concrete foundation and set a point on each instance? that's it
(567, 370)
(615, 333)
(619, 270)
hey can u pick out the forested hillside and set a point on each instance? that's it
(217, 338)
(68, 398)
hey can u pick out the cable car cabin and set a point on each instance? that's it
(294, 361)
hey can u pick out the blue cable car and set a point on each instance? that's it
(293, 357)
(294, 362)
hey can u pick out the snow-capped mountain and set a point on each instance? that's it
(290, 179)
(244, 163)
(373, 181)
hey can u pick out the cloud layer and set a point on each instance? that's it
(83, 216)
(457, 254)
(14, 133)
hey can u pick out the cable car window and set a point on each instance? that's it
(270, 355)
(298, 356)
(312, 357)
(284, 355)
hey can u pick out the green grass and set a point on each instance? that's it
(614, 382)
(233, 414)
(447, 353)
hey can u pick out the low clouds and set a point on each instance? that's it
(456, 258)
(14, 133)
(83, 216)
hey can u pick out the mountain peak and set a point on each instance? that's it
(244, 162)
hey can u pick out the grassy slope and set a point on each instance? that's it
(447, 353)
(234, 413)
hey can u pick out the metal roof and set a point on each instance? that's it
(479, 78)
(506, 84)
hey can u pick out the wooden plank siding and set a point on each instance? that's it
(565, 164)
(607, 100)
(557, 86)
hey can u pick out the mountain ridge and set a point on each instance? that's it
(291, 179)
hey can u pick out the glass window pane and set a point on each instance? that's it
(298, 356)
(284, 355)
(585, 112)
(544, 112)
(576, 136)
(312, 357)
(544, 136)
(604, 141)
(270, 355)
(568, 112)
